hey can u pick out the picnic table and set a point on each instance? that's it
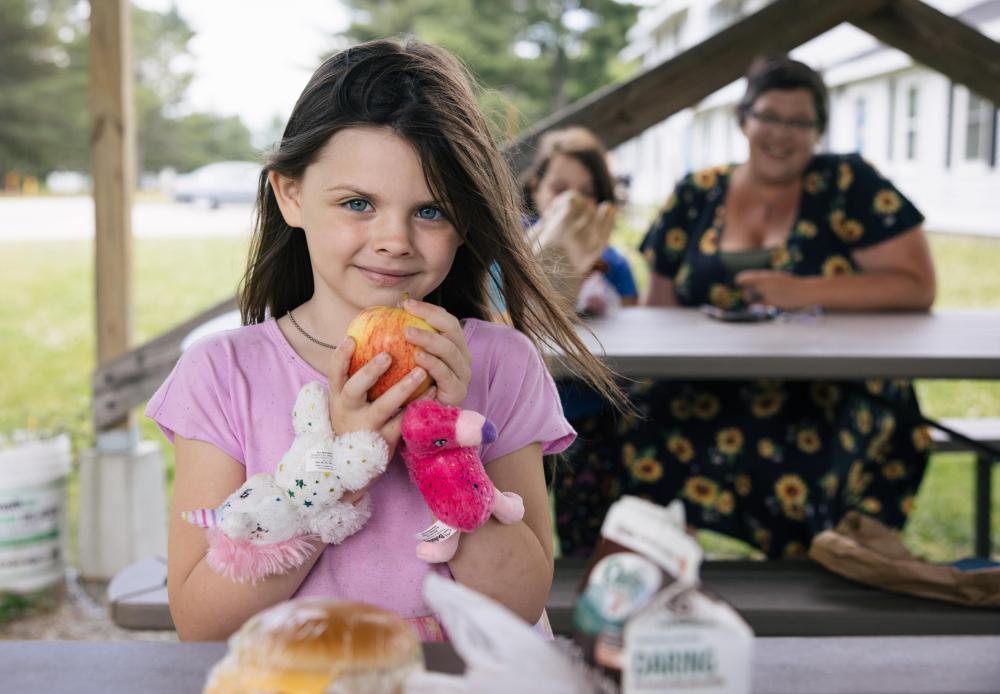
(685, 343)
(860, 665)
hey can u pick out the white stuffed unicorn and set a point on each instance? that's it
(264, 527)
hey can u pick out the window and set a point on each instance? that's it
(912, 106)
(978, 129)
(859, 125)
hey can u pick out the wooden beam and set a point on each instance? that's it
(620, 112)
(940, 42)
(128, 380)
(113, 169)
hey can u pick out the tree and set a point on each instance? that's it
(183, 142)
(536, 56)
(39, 91)
(44, 97)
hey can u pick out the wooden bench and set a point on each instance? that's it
(791, 597)
(777, 598)
(985, 430)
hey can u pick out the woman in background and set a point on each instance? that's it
(772, 463)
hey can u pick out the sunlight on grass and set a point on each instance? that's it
(47, 327)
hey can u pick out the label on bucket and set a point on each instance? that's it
(31, 520)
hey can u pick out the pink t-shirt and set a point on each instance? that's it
(236, 390)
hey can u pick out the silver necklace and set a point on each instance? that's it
(307, 335)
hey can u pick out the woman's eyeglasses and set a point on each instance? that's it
(801, 125)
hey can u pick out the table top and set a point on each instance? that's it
(685, 343)
(873, 665)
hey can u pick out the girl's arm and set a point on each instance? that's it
(895, 274)
(204, 605)
(512, 563)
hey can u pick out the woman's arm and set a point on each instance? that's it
(204, 605)
(895, 274)
(512, 563)
(660, 291)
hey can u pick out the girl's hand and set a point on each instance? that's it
(780, 289)
(349, 406)
(444, 354)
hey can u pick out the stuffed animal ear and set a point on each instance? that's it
(312, 410)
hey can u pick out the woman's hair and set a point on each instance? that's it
(580, 144)
(424, 95)
(781, 72)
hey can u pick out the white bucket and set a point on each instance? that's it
(33, 514)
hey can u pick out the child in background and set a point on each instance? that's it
(385, 181)
(569, 191)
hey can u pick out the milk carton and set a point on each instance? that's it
(642, 616)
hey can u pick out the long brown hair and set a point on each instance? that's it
(423, 94)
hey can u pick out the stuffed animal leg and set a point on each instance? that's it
(441, 452)
(320, 467)
(265, 526)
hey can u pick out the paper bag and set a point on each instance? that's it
(864, 550)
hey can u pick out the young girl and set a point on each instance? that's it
(385, 181)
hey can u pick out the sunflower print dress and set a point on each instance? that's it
(769, 462)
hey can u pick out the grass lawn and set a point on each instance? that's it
(47, 325)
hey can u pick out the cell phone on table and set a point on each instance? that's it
(750, 314)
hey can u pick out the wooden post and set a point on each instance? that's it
(113, 150)
(121, 481)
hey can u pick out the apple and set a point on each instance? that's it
(382, 329)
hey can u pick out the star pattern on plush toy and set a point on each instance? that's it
(264, 527)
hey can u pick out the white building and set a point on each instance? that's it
(933, 138)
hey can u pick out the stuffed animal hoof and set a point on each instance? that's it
(343, 520)
(509, 507)
(438, 552)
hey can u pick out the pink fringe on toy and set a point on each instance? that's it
(242, 561)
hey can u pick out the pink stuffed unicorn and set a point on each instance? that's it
(442, 454)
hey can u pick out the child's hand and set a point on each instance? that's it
(445, 354)
(349, 406)
(577, 227)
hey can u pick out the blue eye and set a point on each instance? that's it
(358, 205)
(430, 213)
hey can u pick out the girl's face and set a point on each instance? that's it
(782, 132)
(373, 227)
(564, 173)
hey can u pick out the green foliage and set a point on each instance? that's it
(183, 142)
(44, 98)
(535, 56)
(16, 605)
(43, 102)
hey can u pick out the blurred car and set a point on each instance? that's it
(219, 183)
